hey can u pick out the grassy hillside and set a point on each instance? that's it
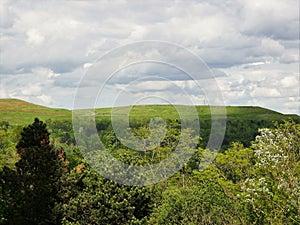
(169, 112)
(20, 112)
(242, 123)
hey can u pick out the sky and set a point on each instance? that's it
(250, 47)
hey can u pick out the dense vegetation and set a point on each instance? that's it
(253, 180)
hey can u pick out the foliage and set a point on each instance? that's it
(234, 164)
(201, 203)
(31, 190)
(247, 183)
(273, 188)
(87, 198)
(61, 130)
(8, 139)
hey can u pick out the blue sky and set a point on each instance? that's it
(252, 47)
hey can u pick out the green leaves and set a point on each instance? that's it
(235, 162)
(258, 184)
(8, 154)
(87, 198)
(201, 203)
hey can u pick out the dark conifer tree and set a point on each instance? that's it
(35, 183)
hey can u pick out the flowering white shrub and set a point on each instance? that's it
(273, 188)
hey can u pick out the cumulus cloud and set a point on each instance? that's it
(252, 47)
(289, 82)
(278, 19)
(34, 37)
(6, 15)
(265, 92)
(271, 47)
(31, 89)
(46, 99)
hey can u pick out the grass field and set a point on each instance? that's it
(19, 112)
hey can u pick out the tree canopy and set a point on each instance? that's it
(43, 183)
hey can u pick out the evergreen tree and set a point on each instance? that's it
(33, 186)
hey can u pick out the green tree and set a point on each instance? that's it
(31, 190)
(8, 139)
(234, 164)
(202, 203)
(273, 190)
(88, 198)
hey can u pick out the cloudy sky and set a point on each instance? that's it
(251, 47)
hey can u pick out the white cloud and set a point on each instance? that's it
(46, 99)
(252, 46)
(271, 47)
(34, 37)
(6, 15)
(290, 57)
(264, 92)
(31, 89)
(3, 93)
(278, 19)
(289, 82)
(44, 73)
(87, 65)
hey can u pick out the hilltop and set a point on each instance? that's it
(20, 112)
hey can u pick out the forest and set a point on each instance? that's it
(254, 179)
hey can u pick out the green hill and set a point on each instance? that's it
(242, 122)
(20, 112)
(169, 112)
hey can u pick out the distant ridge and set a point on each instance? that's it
(17, 111)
